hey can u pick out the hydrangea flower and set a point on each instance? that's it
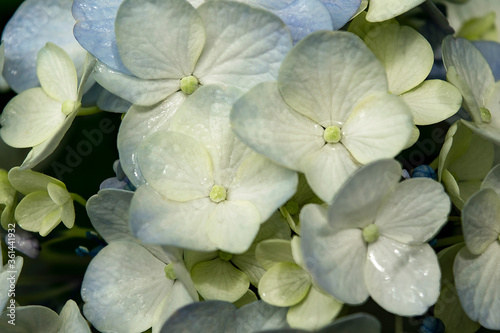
(39, 117)
(329, 112)
(468, 70)
(40, 319)
(286, 283)
(476, 269)
(35, 23)
(143, 284)
(224, 276)
(205, 189)
(371, 241)
(47, 202)
(227, 42)
(465, 159)
(407, 58)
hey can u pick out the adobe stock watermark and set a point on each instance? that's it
(74, 156)
(12, 273)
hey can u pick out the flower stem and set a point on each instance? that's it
(449, 241)
(88, 111)
(398, 324)
(79, 199)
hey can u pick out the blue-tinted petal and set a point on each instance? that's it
(302, 17)
(95, 30)
(490, 51)
(341, 11)
(35, 23)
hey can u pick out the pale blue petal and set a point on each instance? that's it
(341, 11)
(490, 51)
(257, 316)
(206, 317)
(95, 30)
(35, 23)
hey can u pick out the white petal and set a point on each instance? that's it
(403, 279)
(477, 279)
(273, 251)
(42, 151)
(257, 317)
(327, 74)
(176, 299)
(156, 220)
(168, 43)
(414, 212)
(30, 118)
(138, 123)
(56, 73)
(492, 179)
(27, 181)
(379, 127)
(176, 166)
(432, 101)
(6, 273)
(205, 117)
(358, 201)
(481, 220)
(133, 89)
(471, 74)
(315, 311)
(268, 125)
(72, 320)
(233, 225)
(263, 183)
(37, 212)
(381, 10)
(405, 54)
(33, 319)
(120, 294)
(335, 260)
(327, 169)
(108, 212)
(245, 46)
(284, 284)
(219, 280)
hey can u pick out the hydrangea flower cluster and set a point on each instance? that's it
(267, 176)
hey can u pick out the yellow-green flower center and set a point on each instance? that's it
(68, 107)
(332, 134)
(370, 233)
(189, 84)
(225, 256)
(218, 193)
(485, 115)
(292, 207)
(170, 272)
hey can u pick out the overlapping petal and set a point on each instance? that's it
(152, 53)
(327, 74)
(403, 279)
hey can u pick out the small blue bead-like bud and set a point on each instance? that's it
(82, 251)
(431, 325)
(424, 171)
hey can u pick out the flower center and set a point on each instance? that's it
(332, 134)
(485, 115)
(189, 84)
(370, 233)
(225, 256)
(292, 207)
(218, 193)
(68, 107)
(169, 272)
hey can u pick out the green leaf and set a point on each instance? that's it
(284, 284)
